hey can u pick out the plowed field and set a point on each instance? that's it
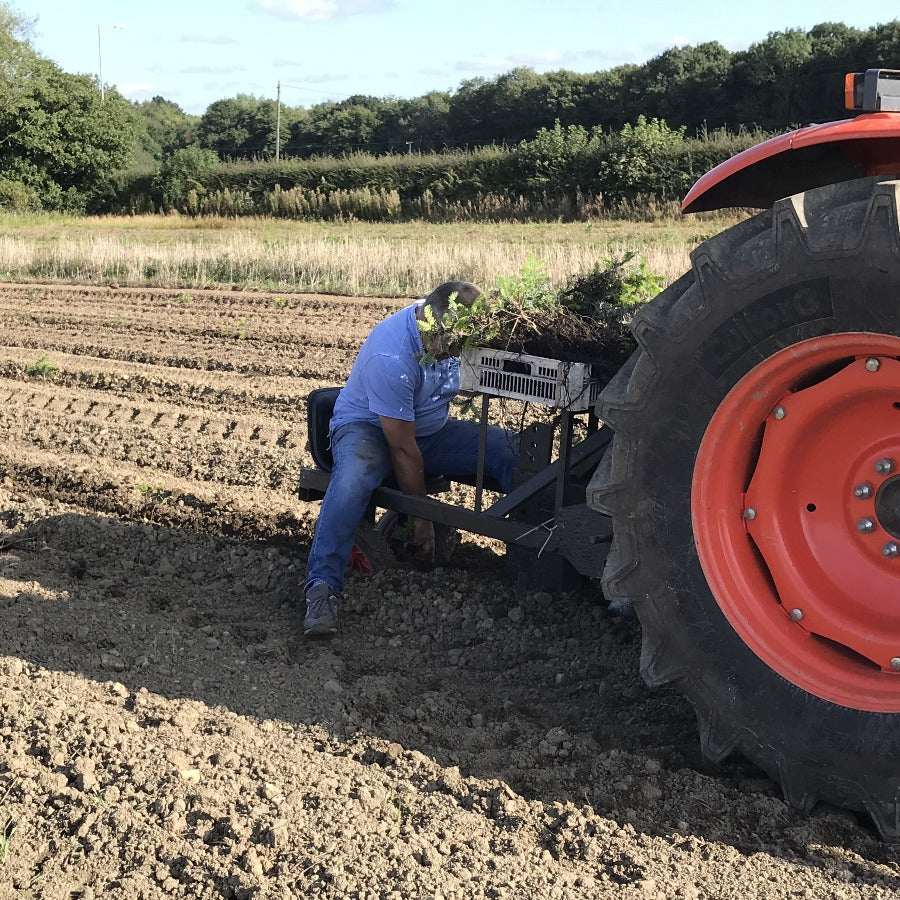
(165, 731)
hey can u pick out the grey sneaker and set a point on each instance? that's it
(321, 610)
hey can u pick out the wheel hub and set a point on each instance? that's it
(887, 506)
(796, 506)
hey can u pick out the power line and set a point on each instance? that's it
(297, 87)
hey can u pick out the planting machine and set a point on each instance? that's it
(737, 483)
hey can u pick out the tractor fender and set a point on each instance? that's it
(798, 161)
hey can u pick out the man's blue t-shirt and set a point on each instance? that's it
(387, 379)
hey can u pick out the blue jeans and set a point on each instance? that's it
(362, 461)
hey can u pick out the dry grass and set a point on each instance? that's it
(354, 258)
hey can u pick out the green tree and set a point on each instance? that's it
(511, 107)
(60, 142)
(424, 122)
(350, 128)
(241, 127)
(469, 116)
(767, 78)
(835, 51)
(643, 161)
(165, 127)
(603, 100)
(684, 85)
(180, 182)
(561, 158)
(880, 47)
(359, 123)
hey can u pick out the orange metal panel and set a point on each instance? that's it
(810, 157)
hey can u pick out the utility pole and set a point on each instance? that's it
(278, 125)
(100, 61)
(100, 67)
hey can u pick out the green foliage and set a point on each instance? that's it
(561, 158)
(529, 289)
(6, 836)
(624, 281)
(241, 127)
(60, 142)
(154, 494)
(642, 160)
(182, 178)
(588, 321)
(41, 367)
(563, 175)
(461, 328)
(18, 196)
(163, 128)
(239, 330)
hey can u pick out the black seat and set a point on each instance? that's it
(319, 407)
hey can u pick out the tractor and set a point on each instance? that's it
(738, 484)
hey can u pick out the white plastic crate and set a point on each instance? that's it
(534, 379)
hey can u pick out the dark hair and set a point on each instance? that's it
(439, 299)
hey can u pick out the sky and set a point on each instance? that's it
(194, 52)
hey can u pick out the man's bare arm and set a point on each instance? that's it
(409, 471)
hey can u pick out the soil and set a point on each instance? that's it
(166, 731)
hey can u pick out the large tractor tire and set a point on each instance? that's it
(754, 487)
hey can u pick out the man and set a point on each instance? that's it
(392, 416)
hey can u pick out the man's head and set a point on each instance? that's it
(440, 344)
(439, 299)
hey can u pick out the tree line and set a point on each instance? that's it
(67, 145)
(791, 78)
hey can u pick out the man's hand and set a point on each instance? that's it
(409, 470)
(423, 537)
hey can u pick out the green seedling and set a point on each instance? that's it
(239, 331)
(6, 836)
(395, 807)
(156, 494)
(41, 367)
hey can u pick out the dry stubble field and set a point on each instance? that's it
(165, 731)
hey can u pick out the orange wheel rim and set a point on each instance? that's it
(796, 513)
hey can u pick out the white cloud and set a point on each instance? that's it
(322, 10)
(503, 63)
(540, 59)
(210, 70)
(136, 88)
(305, 78)
(205, 38)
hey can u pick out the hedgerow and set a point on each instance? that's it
(563, 174)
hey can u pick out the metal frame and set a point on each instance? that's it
(495, 521)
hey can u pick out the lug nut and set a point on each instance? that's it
(872, 364)
(865, 526)
(863, 491)
(796, 615)
(895, 663)
(749, 513)
(884, 466)
(890, 549)
(779, 412)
